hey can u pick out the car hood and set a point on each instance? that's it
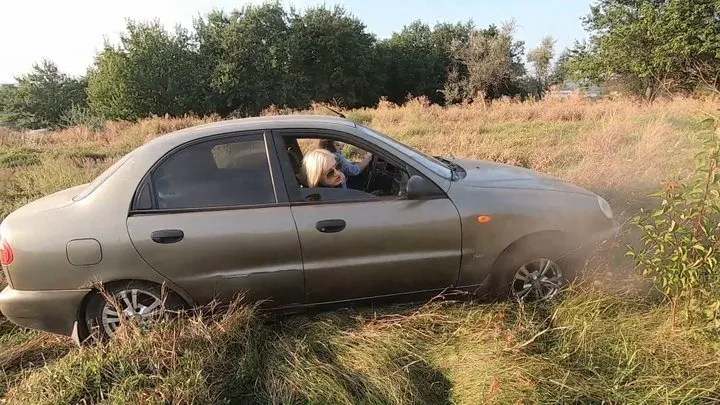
(497, 175)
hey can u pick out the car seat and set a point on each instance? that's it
(296, 161)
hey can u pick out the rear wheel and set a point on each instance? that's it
(135, 300)
(532, 271)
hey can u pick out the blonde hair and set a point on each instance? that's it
(313, 166)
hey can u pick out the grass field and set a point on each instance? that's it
(609, 341)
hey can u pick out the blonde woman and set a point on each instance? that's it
(320, 168)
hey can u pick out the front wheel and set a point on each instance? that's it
(134, 300)
(539, 279)
(531, 273)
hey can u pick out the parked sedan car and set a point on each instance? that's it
(218, 210)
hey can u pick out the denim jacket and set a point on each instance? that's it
(348, 168)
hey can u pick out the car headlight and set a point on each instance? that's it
(605, 207)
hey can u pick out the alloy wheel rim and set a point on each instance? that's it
(539, 279)
(132, 304)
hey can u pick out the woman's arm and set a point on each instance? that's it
(366, 161)
(350, 169)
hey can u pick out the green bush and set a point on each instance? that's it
(681, 241)
(81, 116)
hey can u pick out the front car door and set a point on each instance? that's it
(208, 217)
(357, 245)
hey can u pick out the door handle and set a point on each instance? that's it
(168, 236)
(330, 225)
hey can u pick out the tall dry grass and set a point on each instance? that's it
(592, 347)
(119, 134)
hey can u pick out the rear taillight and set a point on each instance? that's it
(6, 253)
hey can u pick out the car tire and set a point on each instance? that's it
(140, 294)
(536, 256)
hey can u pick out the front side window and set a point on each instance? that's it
(218, 173)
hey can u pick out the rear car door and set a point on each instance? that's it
(357, 245)
(208, 217)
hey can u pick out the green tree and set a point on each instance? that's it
(263, 55)
(108, 81)
(416, 59)
(6, 91)
(332, 57)
(150, 72)
(680, 239)
(541, 59)
(239, 63)
(42, 96)
(412, 62)
(489, 66)
(651, 45)
(561, 71)
(244, 57)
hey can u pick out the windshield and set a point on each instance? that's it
(428, 162)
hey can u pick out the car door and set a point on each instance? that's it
(356, 245)
(208, 218)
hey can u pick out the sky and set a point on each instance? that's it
(71, 32)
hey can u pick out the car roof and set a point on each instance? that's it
(181, 136)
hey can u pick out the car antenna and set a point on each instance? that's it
(336, 112)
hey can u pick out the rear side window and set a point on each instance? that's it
(218, 173)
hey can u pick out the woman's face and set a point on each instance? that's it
(332, 176)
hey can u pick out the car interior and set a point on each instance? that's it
(380, 179)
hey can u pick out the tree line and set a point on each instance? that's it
(240, 62)
(237, 63)
(650, 47)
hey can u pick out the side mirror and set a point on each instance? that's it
(419, 188)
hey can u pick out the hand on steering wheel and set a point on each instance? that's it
(371, 174)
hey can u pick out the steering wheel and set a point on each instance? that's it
(379, 168)
(371, 174)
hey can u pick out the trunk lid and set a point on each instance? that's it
(49, 202)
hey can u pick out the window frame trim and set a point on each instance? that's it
(280, 194)
(288, 174)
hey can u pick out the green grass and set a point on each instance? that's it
(11, 336)
(18, 157)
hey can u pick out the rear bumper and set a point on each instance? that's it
(54, 311)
